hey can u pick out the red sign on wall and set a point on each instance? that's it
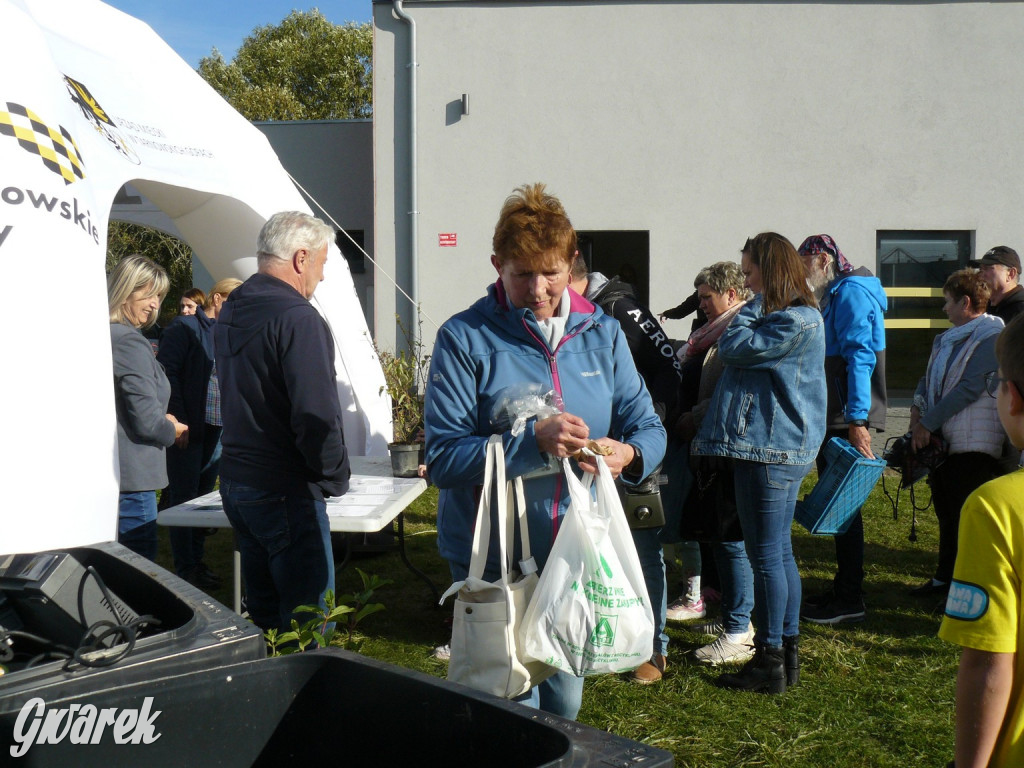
(447, 239)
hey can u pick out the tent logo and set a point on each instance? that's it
(56, 149)
(101, 121)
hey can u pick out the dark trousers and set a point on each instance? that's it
(849, 578)
(285, 545)
(952, 482)
(191, 472)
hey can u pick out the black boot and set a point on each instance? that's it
(789, 648)
(765, 673)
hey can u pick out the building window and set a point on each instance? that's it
(908, 258)
(913, 266)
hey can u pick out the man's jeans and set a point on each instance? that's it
(766, 500)
(652, 563)
(285, 545)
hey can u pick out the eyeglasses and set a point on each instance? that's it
(992, 382)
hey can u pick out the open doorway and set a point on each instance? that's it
(622, 253)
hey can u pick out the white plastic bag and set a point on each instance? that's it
(590, 613)
(486, 652)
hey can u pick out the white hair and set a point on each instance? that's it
(287, 232)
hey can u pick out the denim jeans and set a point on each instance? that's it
(191, 472)
(737, 582)
(136, 522)
(285, 545)
(561, 694)
(652, 563)
(765, 501)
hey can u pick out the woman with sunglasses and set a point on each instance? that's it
(951, 399)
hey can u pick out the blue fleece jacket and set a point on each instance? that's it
(854, 311)
(489, 353)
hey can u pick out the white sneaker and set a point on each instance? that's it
(723, 651)
(712, 628)
(443, 652)
(682, 610)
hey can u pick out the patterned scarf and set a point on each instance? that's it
(825, 244)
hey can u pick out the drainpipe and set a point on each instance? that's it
(414, 289)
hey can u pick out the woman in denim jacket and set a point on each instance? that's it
(768, 413)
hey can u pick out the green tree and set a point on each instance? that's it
(304, 68)
(174, 255)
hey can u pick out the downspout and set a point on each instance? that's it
(414, 288)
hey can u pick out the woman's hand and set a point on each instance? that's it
(180, 432)
(561, 435)
(920, 437)
(620, 457)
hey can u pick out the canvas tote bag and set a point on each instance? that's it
(486, 654)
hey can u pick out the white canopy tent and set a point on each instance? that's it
(91, 99)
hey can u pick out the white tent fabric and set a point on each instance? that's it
(90, 99)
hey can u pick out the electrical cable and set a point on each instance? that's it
(117, 632)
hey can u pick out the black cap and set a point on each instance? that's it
(1001, 254)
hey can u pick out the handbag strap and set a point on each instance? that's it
(527, 564)
(494, 479)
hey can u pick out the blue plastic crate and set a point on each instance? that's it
(840, 491)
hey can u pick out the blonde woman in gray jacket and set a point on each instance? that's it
(135, 289)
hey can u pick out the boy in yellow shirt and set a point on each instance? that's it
(985, 608)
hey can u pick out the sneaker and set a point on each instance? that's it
(712, 628)
(650, 671)
(723, 651)
(443, 652)
(681, 610)
(929, 588)
(206, 582)
(821, 598)
(204, 569)
(836, 611)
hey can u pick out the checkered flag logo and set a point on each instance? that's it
(56, 149)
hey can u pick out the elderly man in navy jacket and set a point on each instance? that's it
(283, 448)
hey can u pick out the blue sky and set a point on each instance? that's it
(193, 27)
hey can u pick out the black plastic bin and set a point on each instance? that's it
(195, 631)
(332, 707)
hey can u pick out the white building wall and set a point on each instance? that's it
(703, 123)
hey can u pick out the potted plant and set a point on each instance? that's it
(405, 376)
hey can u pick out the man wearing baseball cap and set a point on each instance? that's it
(1000, 268)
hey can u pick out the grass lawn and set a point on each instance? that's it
(879, 693)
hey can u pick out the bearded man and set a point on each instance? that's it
(852, 303)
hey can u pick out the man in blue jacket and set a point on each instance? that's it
(283, 448)
(852, 304)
